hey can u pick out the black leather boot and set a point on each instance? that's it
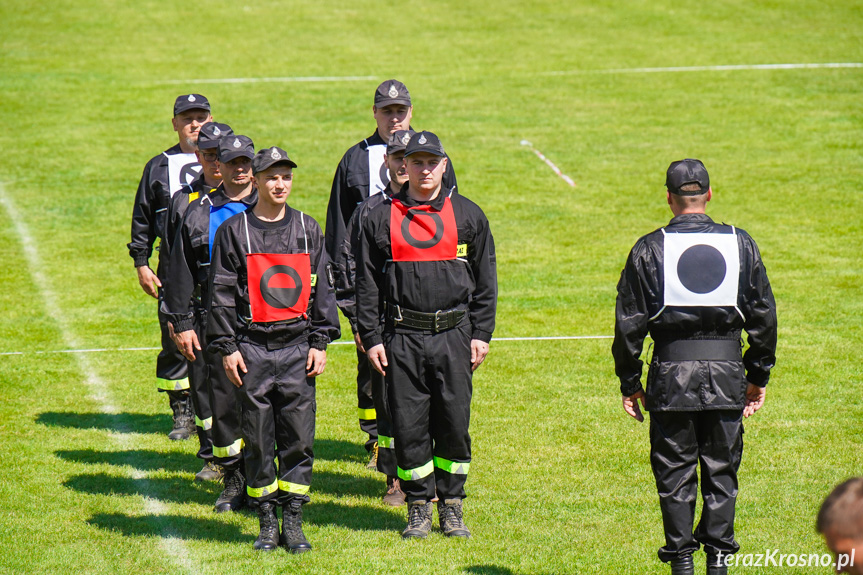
(184, 420)
(292, 527)
(268, 540)
(683, 566)
(234, 495)
(714, 567)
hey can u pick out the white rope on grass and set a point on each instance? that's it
(720, 68)
(121, 349)
(100, 392)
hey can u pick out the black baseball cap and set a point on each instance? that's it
(269, 157)
(683, 172)
(424, 142)
(235, 146)
(399, 141)
(210, 134)
(190, 102)
(392, 92)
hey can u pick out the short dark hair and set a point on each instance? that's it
(842, 511)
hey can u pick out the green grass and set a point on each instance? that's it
(560, 481)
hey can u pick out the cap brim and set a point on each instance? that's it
(208, 145)
(182, 109)
(400, 101)
(273, 163)
(233, 155)
(433, 152)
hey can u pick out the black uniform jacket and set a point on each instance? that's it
(150, 213)
(345, 264)
(190, 257)
(188, 194)
(229, 312)
(426, 286)
(351, 187)
(692, 385)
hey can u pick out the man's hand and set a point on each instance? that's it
(232, 363)
(187, 342)
(148, 280)
(359, 341)
(378, 358)
(630, 405)
(316, 362)
(478, 351)
(754, 399)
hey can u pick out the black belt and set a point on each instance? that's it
(435, 322)
(698, 350)
(272, 341)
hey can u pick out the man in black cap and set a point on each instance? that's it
(840, 520)
(189, 264)
(164, 175)
(426, 265)
(346, 299)
(272, 314)
(206, 151)
(360, 174)
(693, 286)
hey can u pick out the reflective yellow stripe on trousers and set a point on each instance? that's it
(295, 488)
(204, 424)
(262, 491)
(416, 473)
(232, 449)
(367, 414)
(172, 384)
(454, 467)
(385, 442)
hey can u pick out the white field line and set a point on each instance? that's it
(287, 79)
(548, 162)
(99, 389)
(119, 349)
(725, 68)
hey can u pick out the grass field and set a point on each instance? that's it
(560, 481)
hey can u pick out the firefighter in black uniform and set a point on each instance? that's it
(693, 286)
(206, 150)
(426, 301)
(272, 314)
(346, 298)
(360, 174)
(190, 265)
(164, 175)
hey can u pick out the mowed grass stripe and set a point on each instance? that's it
(98, 388)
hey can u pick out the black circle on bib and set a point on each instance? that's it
(701, 269)
(281, 298)
(189, 172)
(424, 244)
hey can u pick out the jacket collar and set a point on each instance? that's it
(219, 199)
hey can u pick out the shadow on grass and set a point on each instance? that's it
(341, 484)
(141, 459)
(117, 422)
(182, 490)
(337, 450)
(170, 526)
(173, 489)
(488, 570)
(358, 518)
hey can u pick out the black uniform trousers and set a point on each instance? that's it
(278, 416)
(225, 408)
(200, 394)
(429, 388)
(386, 435)
(679, 442)
(365, 402)
(172, 369)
